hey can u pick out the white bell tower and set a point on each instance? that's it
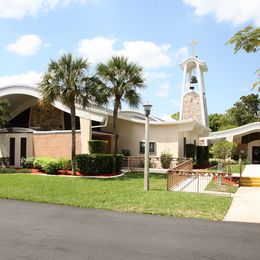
(193, 99)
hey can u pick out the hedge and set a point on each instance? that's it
(98, 163)
(97, 146)
(202, 155)
(190, 151)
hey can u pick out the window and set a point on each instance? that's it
(151, 147)
(23, 147)
(184, 147)
(12, 151)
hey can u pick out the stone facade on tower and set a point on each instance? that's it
(193, 99)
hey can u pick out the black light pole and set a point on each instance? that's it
(147, 110)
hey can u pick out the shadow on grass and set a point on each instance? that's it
(133, 176)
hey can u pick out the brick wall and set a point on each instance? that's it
(54, 144)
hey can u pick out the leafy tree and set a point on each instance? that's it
(246, 110)
(4, 112)
(176, 116)
(243, 112)
(247, 39)
(121, 81)
(215, 121)
(66, 81)
(223, 150)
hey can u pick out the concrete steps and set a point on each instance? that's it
(250, 182)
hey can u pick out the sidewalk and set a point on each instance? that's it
(245, 206)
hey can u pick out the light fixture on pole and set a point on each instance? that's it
(147, 110)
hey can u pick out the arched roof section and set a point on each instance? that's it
(33, 91)
(191, 64)
(242, 130)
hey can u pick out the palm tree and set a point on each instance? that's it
(66, 81)
(4, 113)
(121, 81)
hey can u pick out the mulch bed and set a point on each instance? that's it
(227, 181)
(69, 173)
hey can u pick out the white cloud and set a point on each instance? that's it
(25, 45)
(97, 49)
(21, 8)
(163, 90)
(234, 11)
(148, 54)
(28, 78)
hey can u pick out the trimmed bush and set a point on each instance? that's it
(40, 162)
(190, 151)
(51, 166)
(126, 152)
(166, 159)
(27, 162)
(4, 161)
(65, 164)
(202, 155)
(7, 170)
(48, 165)
(82, 162)
(23, 171)
(98, 163)
(97, 146)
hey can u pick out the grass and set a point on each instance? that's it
(123, 194)
(233, 168)
(213, 186)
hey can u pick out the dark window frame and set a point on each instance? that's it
(152, 147)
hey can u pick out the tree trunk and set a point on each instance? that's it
(73, 138)
(114, 150)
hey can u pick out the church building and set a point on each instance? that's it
(35, 131)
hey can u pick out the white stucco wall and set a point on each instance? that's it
(5, 145)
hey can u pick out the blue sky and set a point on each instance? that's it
(154, 33)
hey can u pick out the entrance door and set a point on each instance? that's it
(256, 154)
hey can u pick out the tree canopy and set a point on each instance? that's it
(121, 81)
(243, 112)
(66, 81)
(247, 39)
(4, 112)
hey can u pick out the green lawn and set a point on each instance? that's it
(121, 194)
(233, 168)
(213, 186)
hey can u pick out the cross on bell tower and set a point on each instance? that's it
(193, 44)
(193, 99)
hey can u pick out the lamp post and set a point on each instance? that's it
(147, 110)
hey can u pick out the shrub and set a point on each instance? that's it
(166, 159)
(98, 163)
(7, 170)
(82, 162)
(27, 162)
(97, 146)
(223, 149)
(48, 165)
(202, 155)
(4, 161)
(126, 152)
(51, 166)
(190, 151)
(40, 162)
(65, 164)
(23, 171)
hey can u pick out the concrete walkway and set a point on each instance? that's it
(252, 170)
(245, 206)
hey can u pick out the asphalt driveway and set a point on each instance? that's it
(41, 231)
